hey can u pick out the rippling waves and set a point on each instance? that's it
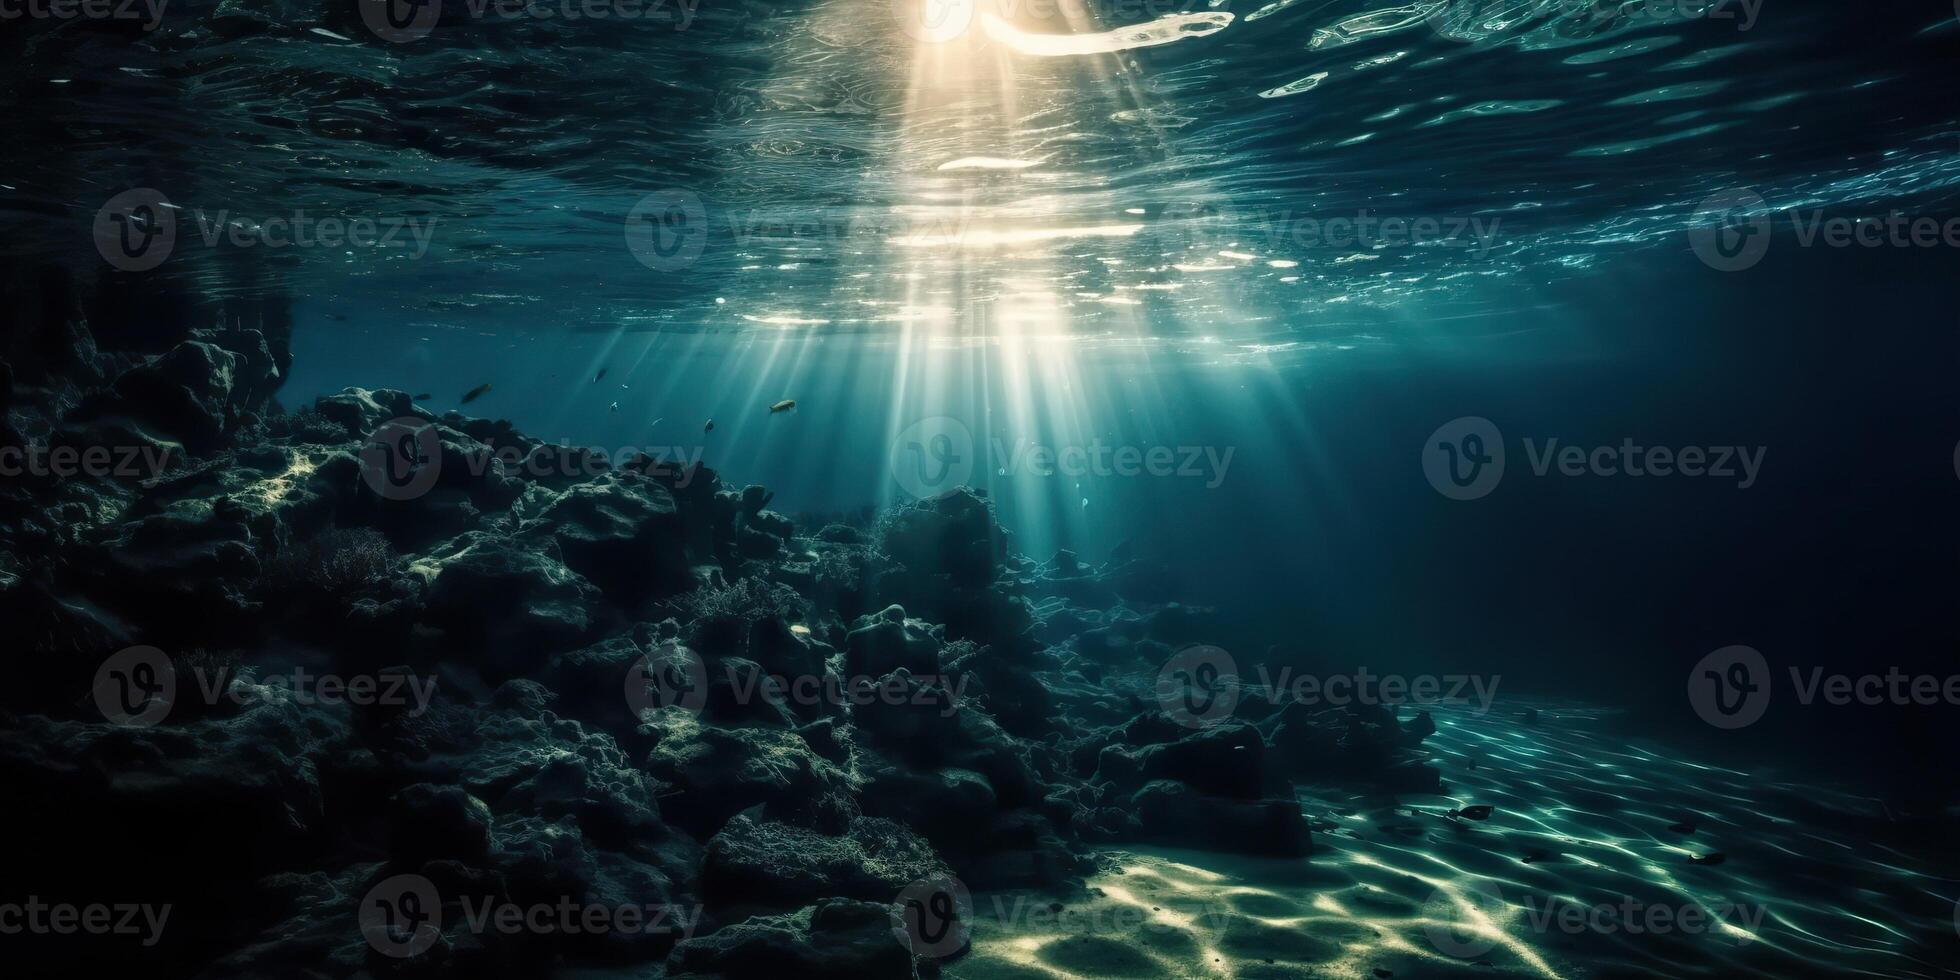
(1227, 167)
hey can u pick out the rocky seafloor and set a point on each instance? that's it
(360, 690)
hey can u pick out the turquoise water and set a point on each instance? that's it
(1197, 282)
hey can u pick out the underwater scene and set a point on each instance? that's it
(980, 489)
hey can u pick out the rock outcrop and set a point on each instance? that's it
(360, 660)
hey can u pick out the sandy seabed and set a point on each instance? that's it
(1599, 859)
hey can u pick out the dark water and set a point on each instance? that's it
(1269, 258)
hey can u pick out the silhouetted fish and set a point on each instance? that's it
(782, 406)
(615, 408)
(1709, 860)
(1478, 812)
(710, 427)
(601, 376)
(1684, 827)
(475, 393)
(425, 396)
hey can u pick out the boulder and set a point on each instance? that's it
(758, 862)
(835, 939)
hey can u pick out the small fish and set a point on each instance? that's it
(1533, 855)
(425, 396)
(1684, 827)
(337, 317)
(782, 406)
(1478, 812)
(710, 427)
(601, 376)
(1384, 973)
(657, 421)
(475, 393)
(615, 408)
(1709, 860)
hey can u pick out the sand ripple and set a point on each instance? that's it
(1594, 863)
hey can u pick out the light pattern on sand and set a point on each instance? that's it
(1588, 842)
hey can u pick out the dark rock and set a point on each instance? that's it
(954, 535)
(431, 822)
(756, 862)
(1174, 813)
(836, 939)
(888, 641)
(622, 533)
(186, 396)
(716, 773)
(509, 603)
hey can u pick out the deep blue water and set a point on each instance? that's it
(1143, 248)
